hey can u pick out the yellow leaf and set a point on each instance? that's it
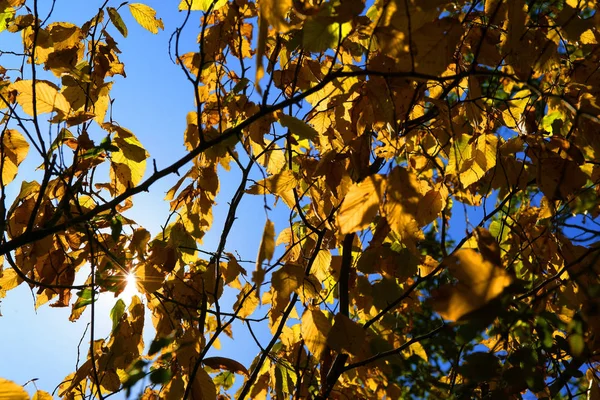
(128, 165)
(14, 150)
(431, 205)
(48, 98)
(8, 280)
(588, 37)
(200, 5)
(514, 114)
(361, 204)
(42, 395)
(284, 282)
(245, 304)
(479, 282)
(146, 17)
(276, 184)
(265, 252)
(402, 204)
(416, 349)
(470, 161)
(267, 244)
(315, 328)
(11, 391)
(271, 12)
(203, 387)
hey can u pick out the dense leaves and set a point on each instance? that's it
(438, 167)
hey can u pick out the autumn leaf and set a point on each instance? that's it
(203, 387)
(479, 282)
(42, 395)
(12, 391)
(298, 127)
(13, 152)
(319, 34)
(315, 329)
(146, 17)
(226, 364)
(117, 21)
(265, 252)
(48, 98)
(361, 204)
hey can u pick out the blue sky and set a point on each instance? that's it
(152, 102)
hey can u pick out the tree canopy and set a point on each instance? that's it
(439, 163)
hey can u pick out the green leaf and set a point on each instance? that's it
(225, 380)
(116, 227)
(319, 35)
(298, 127)
(158, 344)
(117, 21)
(6, 16)
(117, 313)
(160, 375)
(85, 298)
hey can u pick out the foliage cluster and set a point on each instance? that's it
(379, 126)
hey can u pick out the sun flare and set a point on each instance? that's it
(131, 288)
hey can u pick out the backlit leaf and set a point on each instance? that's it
(146, 17)
(13, 152)
(298, 127)
(479, 282)
(361, 204)
(11, 391)
(48, 98)
(42, 395)
(203, 387)
(315, 329)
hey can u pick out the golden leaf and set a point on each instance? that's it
(42, 395)
(11, 391)
(361, 204)
(267, 244)
(146, 17)
(203, 387)
(479, 282)
(245, 303)
(47, 97)
(14, 150)
(265, 252)
(8, 280)
(277, 184)
(128, 165)
(315, 328)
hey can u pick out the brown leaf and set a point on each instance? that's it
(226, 364)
